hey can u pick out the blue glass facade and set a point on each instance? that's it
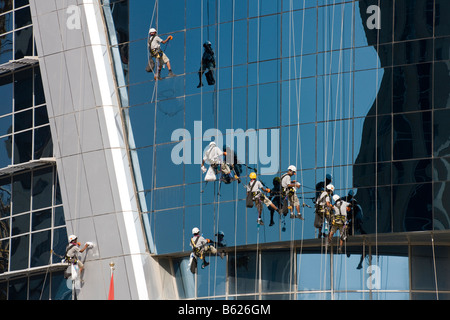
(355, 89)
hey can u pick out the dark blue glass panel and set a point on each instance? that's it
(412, 135)
(412, 207)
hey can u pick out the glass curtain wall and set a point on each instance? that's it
(354, 89)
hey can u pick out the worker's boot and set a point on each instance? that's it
(171, 74)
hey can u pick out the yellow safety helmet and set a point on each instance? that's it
(253, 175)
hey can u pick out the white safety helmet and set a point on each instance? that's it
(292, 168)
(195, 230)
(336, 198)
(330, 187)
(152, 30)
(72, 237)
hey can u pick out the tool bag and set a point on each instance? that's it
(249, 199)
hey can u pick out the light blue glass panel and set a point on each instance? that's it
(169, 117)
(335, 27)
(142, 121)
(137, 61)
(142, 14)
(335, 97)
(335, 61)
(263, 7)
(145, 160)
(299, 32)
(299, 67)
(141, 93)
(263, 72)
(239, 48)
(195, 42)
(166, 198)
(168, 231)
(295, 5)
(171, 15)
(317, 280)
(212, 280)
(167, 173)
(194, 10)
(367, 84)
(366, 58)
(348, 272)
(334, 143)
(298, 101)
(394, 271)
(261, 29)
(263, 109)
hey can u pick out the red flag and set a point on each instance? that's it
(111, 288)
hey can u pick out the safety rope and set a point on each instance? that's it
(434, 267)
(155, 100)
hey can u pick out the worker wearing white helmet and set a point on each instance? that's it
(323, 208)
(289, 188)
(339, 220)
(200, 246)
(154, 44)
(73, 250)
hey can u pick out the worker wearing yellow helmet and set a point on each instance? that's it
(254, 195)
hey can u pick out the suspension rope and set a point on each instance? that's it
(298, 157)
(155, 100)
(434, 267)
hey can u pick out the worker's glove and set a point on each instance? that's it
(298, 184)
(90, 245)
(203, 169)
(170, 38)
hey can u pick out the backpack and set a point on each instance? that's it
(284, 201)
(249, 199)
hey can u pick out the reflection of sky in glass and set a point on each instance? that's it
(276, 71)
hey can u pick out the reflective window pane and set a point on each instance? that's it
(23, 89)
(41, 220)
(21, 193)
(43, 144)
(412, 135)
(23, 146)
(19, 253)
(20, 224)
(40, 248)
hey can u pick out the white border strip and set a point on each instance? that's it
(99, 54)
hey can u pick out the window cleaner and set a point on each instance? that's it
(339, 220)
(254, 195)
(200, 246)
(154, 45)
(289, 188)
(322, 212)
